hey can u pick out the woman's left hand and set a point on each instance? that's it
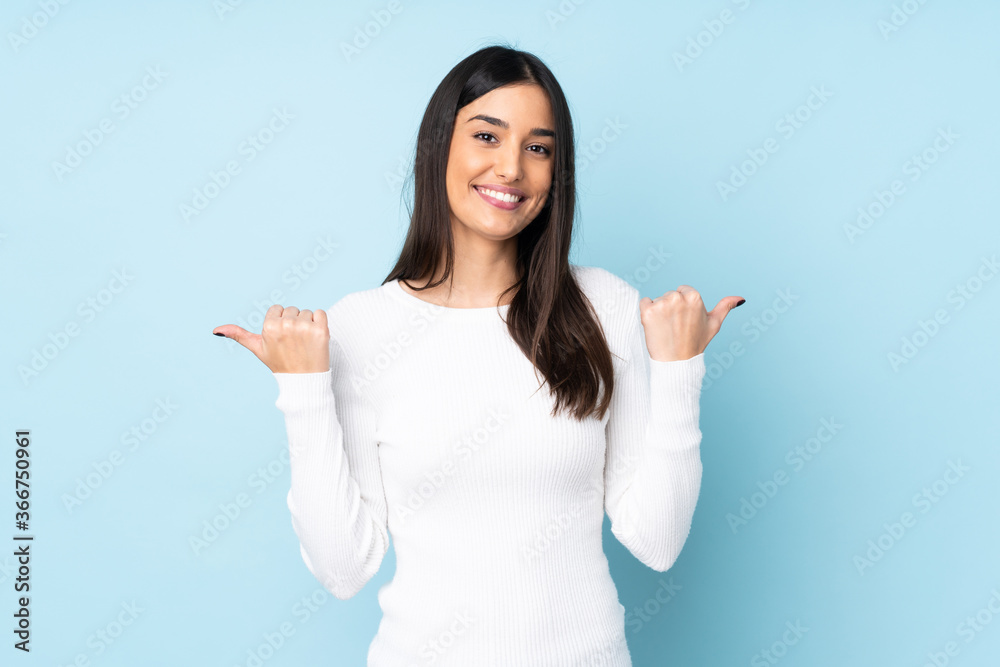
(677, 325)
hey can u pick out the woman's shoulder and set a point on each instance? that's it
(604, 287)
(358, 312)
(615, 301)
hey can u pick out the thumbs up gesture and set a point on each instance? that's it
(290, 341)
(678, 327)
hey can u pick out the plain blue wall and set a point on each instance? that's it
(827, 307)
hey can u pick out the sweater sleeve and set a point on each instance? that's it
(336, 499)
(653, 468)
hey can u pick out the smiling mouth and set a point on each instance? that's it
(499, 199)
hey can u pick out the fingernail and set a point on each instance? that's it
(740, 303)
(218, 334)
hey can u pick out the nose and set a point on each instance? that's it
(508, 162)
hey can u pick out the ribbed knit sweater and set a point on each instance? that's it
(430, 426)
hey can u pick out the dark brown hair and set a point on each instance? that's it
(549, 318)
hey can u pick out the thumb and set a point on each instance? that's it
(723, 308)
(251, 341)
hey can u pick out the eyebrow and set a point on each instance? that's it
(535, 131)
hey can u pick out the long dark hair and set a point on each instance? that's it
(549, 318)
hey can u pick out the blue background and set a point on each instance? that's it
(825, 310)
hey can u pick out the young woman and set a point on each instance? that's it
(489, 401)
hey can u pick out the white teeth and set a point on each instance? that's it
(499, 195)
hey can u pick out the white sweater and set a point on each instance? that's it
(428, 427)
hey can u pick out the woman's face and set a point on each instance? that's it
(503, 141)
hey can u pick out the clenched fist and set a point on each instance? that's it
(290, 341)
(677, 326)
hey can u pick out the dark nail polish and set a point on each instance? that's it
(740, 303)
(218, 334)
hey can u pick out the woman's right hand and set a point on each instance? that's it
(290, 341)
